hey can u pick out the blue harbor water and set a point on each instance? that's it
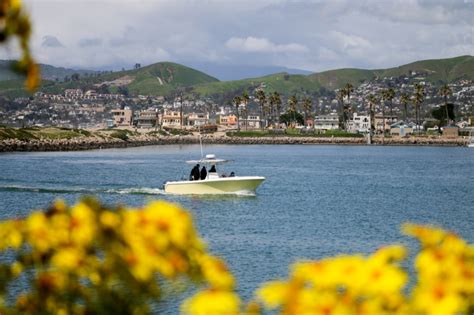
(317, 201)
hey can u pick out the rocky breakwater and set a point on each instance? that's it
(90, 143)
(282, 140)
(428, 141)
(96, 142)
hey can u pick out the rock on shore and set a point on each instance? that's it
(90, 143)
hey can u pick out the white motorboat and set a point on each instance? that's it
(214, 183)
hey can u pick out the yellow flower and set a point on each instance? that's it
(16, 268)
(109, 219)
(69, 259)
(216, 273)
(212, 302)
(274, 293)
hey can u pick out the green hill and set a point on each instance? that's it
(164, 78)
(48, 72)
(438, 71)
(283, 83)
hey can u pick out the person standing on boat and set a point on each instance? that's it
(195, 173)
(213, 169)
(203, 173)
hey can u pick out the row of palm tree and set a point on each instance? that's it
(417, 99)
(271, 104)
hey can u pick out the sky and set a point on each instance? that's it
(307, 34)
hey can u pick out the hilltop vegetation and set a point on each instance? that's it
(165, 78)
(438, 71)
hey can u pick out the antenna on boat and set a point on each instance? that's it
(200, 142)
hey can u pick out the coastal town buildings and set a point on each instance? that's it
(123, 117)
(358, 123)
(326, 122)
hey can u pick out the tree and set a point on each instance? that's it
(292, 106)
(307, 107)
(348, 89)
(372, 100)
(75, 77)
(262, 99)
(237, 100)
(137, 66)
(418, 99)
(246, 100)
(291, 117)
(404, 99)
(387, 95)
(445, 91)
(340, 100)
(14, 22)
(443, 113)
(278, 103)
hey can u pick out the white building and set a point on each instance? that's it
(358, 124)
(326, 122)
(250, 122)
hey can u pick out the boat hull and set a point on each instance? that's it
(241, 185)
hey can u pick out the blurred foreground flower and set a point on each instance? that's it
(14, 22)
(374, 285)
(89, 259)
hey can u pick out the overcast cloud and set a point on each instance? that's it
(311, 35)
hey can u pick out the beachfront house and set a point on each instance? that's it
(326, 122)
(250, 122)
(197, 119)
(401, 129)
(123, 117)
(358, 123)
(171, 118)
(147, 119)
(226, 120)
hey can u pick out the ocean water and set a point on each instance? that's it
(317, 201)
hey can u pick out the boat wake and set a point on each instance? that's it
(81, 190)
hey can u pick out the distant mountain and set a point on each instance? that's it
(160, 78)
(48, 72)
(239, 72)
(438, 71)
(164, 78)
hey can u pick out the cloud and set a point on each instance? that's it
(51, 41)
(90, 42)
(323, 34)
(262, 45)
(350, 41)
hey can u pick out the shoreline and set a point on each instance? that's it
(93, 143)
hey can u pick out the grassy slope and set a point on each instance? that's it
(280, 82)
(440, 70)
(174, 75)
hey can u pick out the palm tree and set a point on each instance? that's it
(245, 100)
(383, 95)
(278, 103)
(445, 91)
(262, 99)
(404, 99)
(348, 89)
(372, 99)
(418, 99)
(237, 100)
(389, 96)
(293, 104)
(307, 107)
(340, 99)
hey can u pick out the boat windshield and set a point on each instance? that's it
(209, 159)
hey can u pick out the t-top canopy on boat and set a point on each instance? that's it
(209, 159)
